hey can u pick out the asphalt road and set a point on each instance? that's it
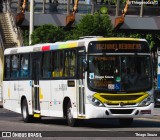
(56, 127)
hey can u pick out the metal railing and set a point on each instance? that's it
(134, 9)
(50, 8)
(1, 42)
(16, 29)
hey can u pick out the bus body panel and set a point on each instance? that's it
(6, 95)
(14, 87)
(25, 90)
(11, 98)
(56, 108)
(45, 96)
(53, 91)
(71, 92)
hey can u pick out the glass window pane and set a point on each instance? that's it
(46, 65)
(24, 69)
(14, 66)
(7, 67)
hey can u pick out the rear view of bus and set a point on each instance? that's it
(119, 80)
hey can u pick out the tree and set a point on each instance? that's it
(47, 34)
(92, 25)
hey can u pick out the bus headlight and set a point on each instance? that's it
(95, 101)
(147, 101)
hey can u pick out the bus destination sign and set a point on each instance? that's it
(118, 47)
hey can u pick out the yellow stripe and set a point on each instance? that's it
(9, 92)
(72, 45)
(36, 115)
(81, 117)
(116, 39)
(98, 96)
(40, 93)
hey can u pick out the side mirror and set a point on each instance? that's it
(85, 65)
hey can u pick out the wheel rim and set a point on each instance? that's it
(69, 115)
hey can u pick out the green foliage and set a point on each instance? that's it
(104, 10)
(92, 25)
(149, 37)
(47, 34)
(25, 37)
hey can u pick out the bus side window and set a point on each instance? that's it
(24, 66)
(46, 65)
(57, 64)
(7, 67)
(70, 62)
(14, 66)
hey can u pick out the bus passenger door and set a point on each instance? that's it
(35, 86)
(81, 88)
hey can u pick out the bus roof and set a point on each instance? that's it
(63, 45)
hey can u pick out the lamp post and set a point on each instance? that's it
(68, 6)
(93, 6)
(117, 8)
(44, 1)
(141, 10)
(31, 24)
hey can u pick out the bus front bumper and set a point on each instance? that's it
(119, 112)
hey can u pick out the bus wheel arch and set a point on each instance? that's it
(24, 110)
(67, 110)
(65, 102)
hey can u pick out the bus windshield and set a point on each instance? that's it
(122, 73)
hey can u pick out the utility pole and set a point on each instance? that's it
(19, 5)
(31, 24)
(117, 8)
(44, 2)
(68, 6)
(93, 6)
(141, 10)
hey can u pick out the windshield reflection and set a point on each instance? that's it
(119, 73)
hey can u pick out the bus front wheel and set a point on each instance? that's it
(25, 113)
(69, 116)
(125, 122)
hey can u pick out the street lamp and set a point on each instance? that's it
(31, 23)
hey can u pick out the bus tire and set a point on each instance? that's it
(125, 122)
(25, 113)
(69, 116)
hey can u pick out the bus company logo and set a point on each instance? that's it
(121, 104)
(144, 2)
(6, 134)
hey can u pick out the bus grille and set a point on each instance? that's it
(124, 111)
(119, 103)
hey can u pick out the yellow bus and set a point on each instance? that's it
(93, 77)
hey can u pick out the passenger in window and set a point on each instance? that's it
(24, 67)
(15, 71)
(61, 72)
(133, 75)
(55, 73)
